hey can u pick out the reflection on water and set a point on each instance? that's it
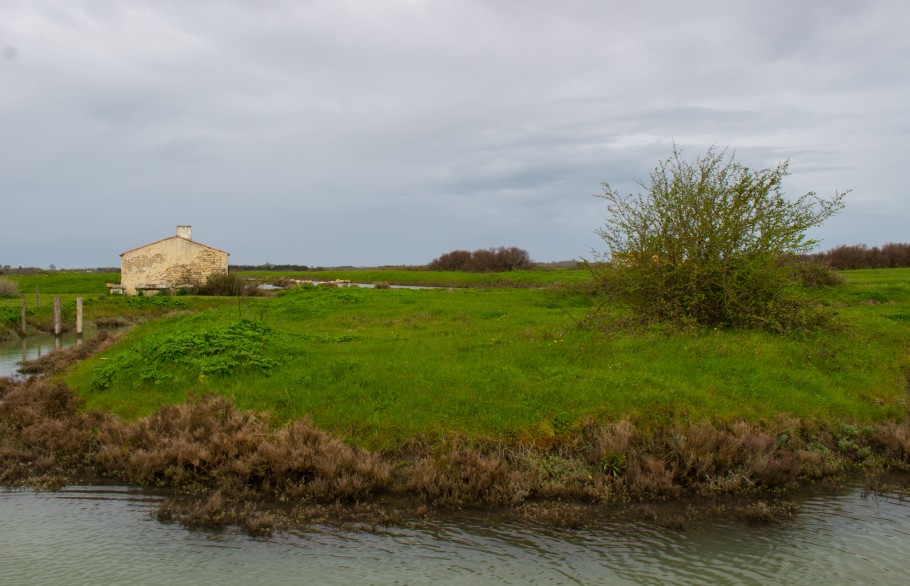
(31, 347)
(94, 535)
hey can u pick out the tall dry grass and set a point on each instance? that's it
(239, 466)
(208, 443)
(8, 288)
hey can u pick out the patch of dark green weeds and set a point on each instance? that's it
(311, 300)
(156, 301)
(613, 464)
(160, 359)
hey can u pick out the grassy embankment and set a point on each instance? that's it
(458, 398)
(104, 309)
(381, 367)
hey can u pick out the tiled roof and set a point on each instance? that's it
(169, 238)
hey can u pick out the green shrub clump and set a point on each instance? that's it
(225, 285)
(704, 243)
(190, 354)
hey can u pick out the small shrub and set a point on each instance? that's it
(613, 465)
(814, 274)
(8, 288)
(225, 285)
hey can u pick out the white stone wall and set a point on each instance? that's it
(172, 262)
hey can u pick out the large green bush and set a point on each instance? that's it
(703, 244)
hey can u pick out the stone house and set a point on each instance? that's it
(169, 264)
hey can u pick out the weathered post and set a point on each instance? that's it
(79, 316)
(58, 317)
(24, 330)
(37, 297)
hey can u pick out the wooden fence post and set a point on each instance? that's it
(78, 316)
(37, 297)
(24, 330)
(58, 317)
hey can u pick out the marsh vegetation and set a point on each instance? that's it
(459, 398)
(699, 356)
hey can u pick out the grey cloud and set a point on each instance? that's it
(413, 127)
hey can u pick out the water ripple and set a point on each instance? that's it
(106, 535)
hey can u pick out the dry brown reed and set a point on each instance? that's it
(209, 444)
(111, 322)
(461, 476)
(892, 439)
(8, 288)
(43, 434)
(240, 467)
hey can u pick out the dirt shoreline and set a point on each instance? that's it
(226, 466)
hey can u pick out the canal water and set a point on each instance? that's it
(107, 536)
(31, 347)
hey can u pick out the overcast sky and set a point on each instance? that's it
(390, 131)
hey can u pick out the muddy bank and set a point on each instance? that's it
(228, 466)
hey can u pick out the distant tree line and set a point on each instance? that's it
(10, 270)
(859, 256)
(484, 260)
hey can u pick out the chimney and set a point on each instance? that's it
(185, 232)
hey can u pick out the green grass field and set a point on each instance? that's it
(64, 282)
(380, 366)
(39, 291)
